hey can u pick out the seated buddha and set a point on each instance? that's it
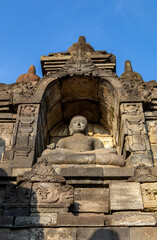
(79, 148)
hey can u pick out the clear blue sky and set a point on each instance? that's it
(31, 28)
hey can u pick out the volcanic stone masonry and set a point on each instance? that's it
(78, 150)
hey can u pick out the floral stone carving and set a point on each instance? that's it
(142, 173)
(51, 195)
(42, 171)
(48, 190)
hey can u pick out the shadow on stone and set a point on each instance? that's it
(15, 210)
(107, 234)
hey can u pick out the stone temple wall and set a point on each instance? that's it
(111, 195)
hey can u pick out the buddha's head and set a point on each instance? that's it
(78, 124)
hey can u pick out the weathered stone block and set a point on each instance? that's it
(125, 196)
(16, 212)
(89, 206)
(103, 233)
(60, 233)
(149, 195)
(53, 233)
(117, 172)
(20, 234)
(6, 221)
(144, 233)
(130, 219)
(83, 219)
(35, 219)
(91, 200)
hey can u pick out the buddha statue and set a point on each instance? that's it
(79, 148)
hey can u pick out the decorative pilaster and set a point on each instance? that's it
(24, 136)
(134, 137)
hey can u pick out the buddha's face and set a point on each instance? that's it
(78, 124)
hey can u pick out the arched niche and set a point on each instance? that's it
(92, 97)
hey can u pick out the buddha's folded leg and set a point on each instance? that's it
(109, 159)
(61, 155)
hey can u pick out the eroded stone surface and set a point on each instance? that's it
(125, 196)
(103, 233)
(131, 219)
(20, 234)
(91, 200)
(35, 219)
(144, 233)
(82, 219)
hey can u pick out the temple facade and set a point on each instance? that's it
(96, 184)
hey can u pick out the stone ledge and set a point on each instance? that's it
(82, 172)
(121, 172)
(85, 182)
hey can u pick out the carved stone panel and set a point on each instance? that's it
(6, 130)
(51, 195)
(17, 199)
(149, 195)
(131, 108)
(42, 171)
(25, 135)
(134, 136)
(152, 133)
(138, 143)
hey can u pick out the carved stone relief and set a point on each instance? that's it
(152, 133)
(149, 195)
(134, 135)
(143, 173)
(25, 134)
(6, 130)
(51, 195)
(42, 171)
(131, 108)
